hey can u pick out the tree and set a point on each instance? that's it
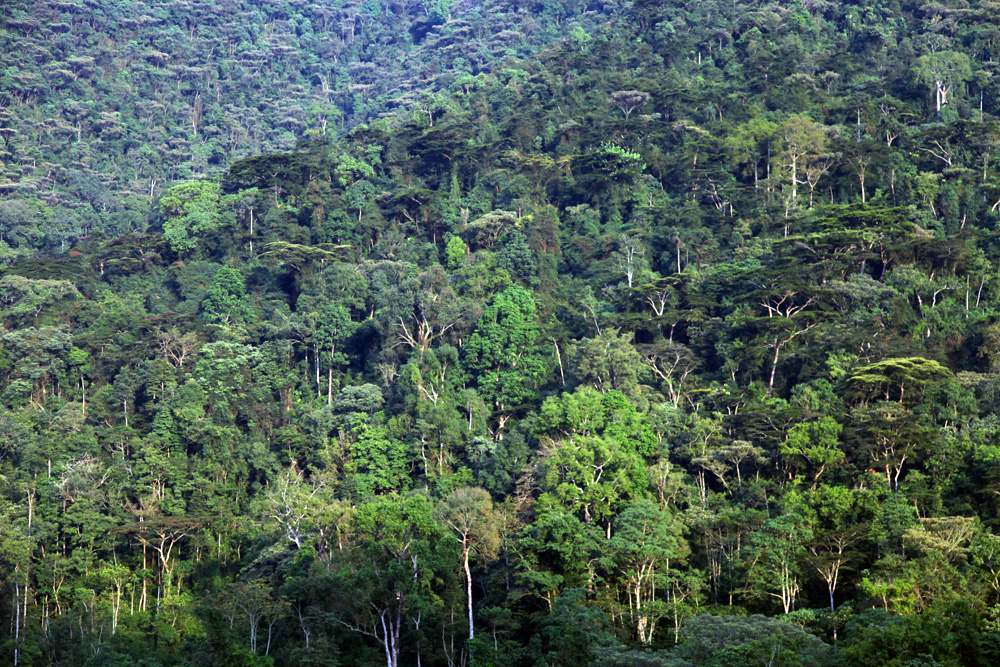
(487, 229)
(816, 442)
(838, 517)
(258, 605)
(190, 210)
(890, 437)
(592, 475)
(746, 144)
(628, 100)
(333, 328)
(300, 257)
(557, 551)
(608, 362)
(804, 141)
(293, 504)
(477, 526)
(750, 640)
(630, 258)
(646, 542)
(24, 297)
(884, 378)
(378, 461)
(574, 630)
(943, 72)
(243, 204)
(815, 170)
(946, 634)
(226, 301)
(773, 557)
(502, 352)
(790, 314)
(391, 568)
(435, 310)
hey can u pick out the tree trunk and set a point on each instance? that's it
(468, 588)
(937, 99)
(17, 620)
(329, 376)
(774, 364)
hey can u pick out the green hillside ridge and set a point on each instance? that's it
(105, 105)
(675, 342)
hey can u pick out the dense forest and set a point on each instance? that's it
(511, 333)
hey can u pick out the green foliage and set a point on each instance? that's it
(454, 253)
(574, 630)
(587, 412)
(814, 444)
(24, 298)
(378, 462)
(190, 212)
(614, 161)
(538, 366)
(501, 351)
(714, 640)
(947, 635)
(226, 300)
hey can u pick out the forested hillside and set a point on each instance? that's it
(103, 105)
(674, 341)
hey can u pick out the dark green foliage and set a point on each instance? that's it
(574, 631)
(738, 640)
(946, 635)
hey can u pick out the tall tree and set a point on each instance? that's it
(943, 71)
(646, 544)
(477, 527)
(502, 352)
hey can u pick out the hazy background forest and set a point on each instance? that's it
(500, 333)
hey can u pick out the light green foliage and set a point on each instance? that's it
(454, 253)
(609, 363)
(943, 72)
(334, 327)
(646, 544)
(892, 378)
(441, 9)
(365, 398)
(389, 578)
(27, 298)
(589, 473)
(749, 142)
(587, 412)
(377, 461)
(616, 161)
(814, 445)
(486, 230)
(190, 211)
(804, 141)
(349, 169)
(477, 526)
